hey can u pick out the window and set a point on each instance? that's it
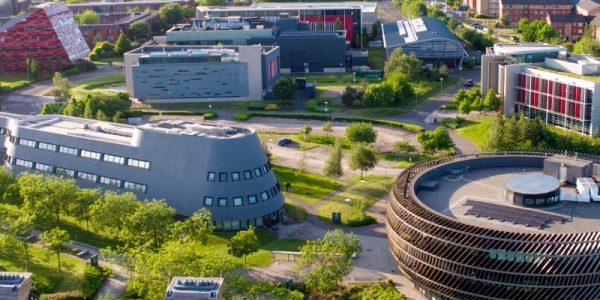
(264, 195)
(68, 150)
(23, 163)
(26, 142)
(247, 175)
(235, 176)
(208, 201)
(138, 163)
(252, 199)
(238, 201)
(110, 181)
(257, 172)
(222, 202)
(43, 167)
(211, 176)
(273, 192)
(222, 177)
(265, 169)
(87, 176)
(90, 154)
(46, 146)
(114, 159)
(65, 172)
(137, 187)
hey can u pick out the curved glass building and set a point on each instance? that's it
(463, 240)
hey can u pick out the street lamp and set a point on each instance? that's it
(304, 134)
(461, 73)
(443, 111)
(326, 102)
(441, 83)
(385, 170)
(354, 77)
(348, 207)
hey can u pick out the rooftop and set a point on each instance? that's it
(525, 48)
(566, 18)
(192, 50)
(536, 2)
(488, 185)
(194, 288)
(274, 6)
(588, 5)
(122, 134)
(11, 279)
(130, 3)
(122, 18)
(533, 184)
(223, 23)
(409, 31)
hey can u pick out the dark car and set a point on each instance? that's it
(284, 142)
(468, 83)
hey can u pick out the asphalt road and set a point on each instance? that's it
(29, 100)
(391, 12)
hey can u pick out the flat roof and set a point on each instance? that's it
(488, 185)
(122, 134)
(194, 287)
(364, 6)
(525, 48)
(569, 160)
(533, 184)
(10, 279)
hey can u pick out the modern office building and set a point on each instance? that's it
(428, 38)
(48, 33)
(191, 165)
(533, 9)
(15, 285)
(569, 26)
(111, 25)
(194, 288)
(301, 49)
(123, 7)
(159, 74)
(464, 240)
(350, 16)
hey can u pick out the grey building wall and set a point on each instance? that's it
(489, 72)
(213, 37)
(8, 8)
(178, 170)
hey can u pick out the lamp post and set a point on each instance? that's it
(385, 170)
(353, 77)
(304, 134)
(441, 83)
(347, 200)
(443, 111)
(326, 102)
(461, 73)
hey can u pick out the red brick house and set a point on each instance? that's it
(533, 9)
(569, 26)
(47, 33)
(111, 25)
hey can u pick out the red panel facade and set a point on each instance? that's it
(328, 22)
(33, 37)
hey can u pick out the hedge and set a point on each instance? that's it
(71, 295)
(396, 124)
(93, 277)
(244, 116)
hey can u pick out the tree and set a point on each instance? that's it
(361, 132)
(19, 230)
(464, 107)
(505, 20)
(149, 224)
(139, 31)
(413, 8)
(122, 45)
(46, 196)
(243, 243)
(55, 240)
(351, 94)
(364, 37)
(285, 88)
(113, 210)
(81, 207)
(363, 158)
(443, 70)
(496, 134)
(213, 2)
(536, 31)
(8, 187)
(302, 162)
(375, 30)
(404, 146)
(306, 130)
(491, 101)
(333, 165)
(435, 140)
(197, 227)
(400, 62)
(87, 17)
(348, 243)
(267, 150)
(61, 86)
(171, 14)
(327, 128)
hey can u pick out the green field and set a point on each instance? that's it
(102, 81)
(13, 82)
(362, 195)
(44, 267)
(295, 211)
(308, 187)
(476, 131)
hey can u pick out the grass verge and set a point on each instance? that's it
(476, 131)
(295, 211)
(308, 187)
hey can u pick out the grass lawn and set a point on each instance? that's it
(44, 266)
(337, 79)
(476, 131)
(376, 58)
(402, 161)
(308, 187)
(275, 136)
(104, 61)
(102, 81)
(378, 111)
(295, 211)
(75, 228)
(14, 82)
(268, 242)
(361, 194)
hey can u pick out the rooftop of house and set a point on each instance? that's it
(120, 18)
(409, 31)
(566, 18)
(536, 2)
(588, 5)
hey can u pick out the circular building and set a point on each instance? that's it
(533, 190)
(464, 240)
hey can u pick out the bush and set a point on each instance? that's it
(271, 107)
(256, 105)
(93, 277)
(406, 126)
(242, 116)
(285, 88)
(42, 285)
(360, 220)
(51, 108)
(311, 105)
(71, 295)
(320, 117)
(210, 115)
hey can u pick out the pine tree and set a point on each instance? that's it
(333, 165)
(122, 45)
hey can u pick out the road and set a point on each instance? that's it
(387, 11)
(29, 100)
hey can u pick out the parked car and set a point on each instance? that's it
(284, 142)
(468, 83)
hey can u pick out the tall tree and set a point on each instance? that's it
(122, 45)
(197, 227)
(400, 62)
(19, 230)
(140, 31)
(333, 165)
(149, 224)
(491, 101)
(61, 86)
(81, 207)
(363, 158)
(46, 196)
(55, 240)
(87, 17)
(7, 187)
(435, 140)
(171, 14)
(113, 210)
(285, 88)
(327, 128)
(243, 243)
(348, 243)
(361, 132)
(496, 134)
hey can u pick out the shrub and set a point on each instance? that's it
(360, 220)
(271, 107)
(256, 105)
(42, 285)
(51, 108)
(242, 116)
(93, 277)
(321, 117)
(71, 295)
(210, 115)
(406, 126)
(311, 105)
(285, 88)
